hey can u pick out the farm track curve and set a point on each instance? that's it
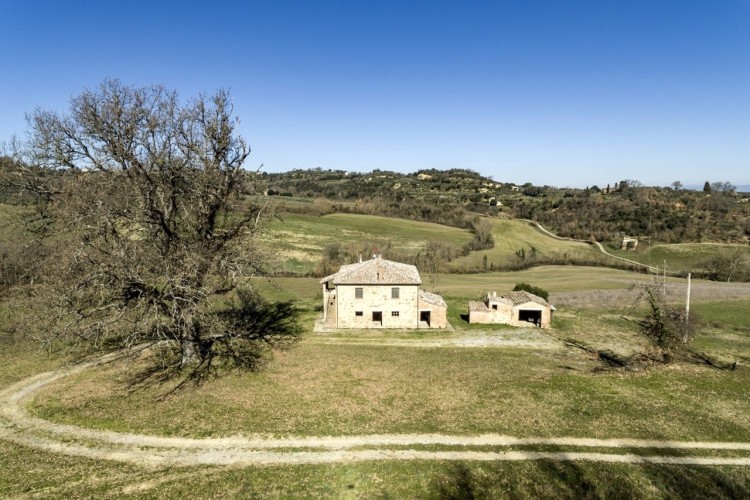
(19, 426)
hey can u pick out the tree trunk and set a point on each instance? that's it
(189, 353)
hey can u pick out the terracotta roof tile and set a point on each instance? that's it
(521, 297)
(475, 305)
(375, 271)
(432, 298)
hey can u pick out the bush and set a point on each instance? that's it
(525, 287)
(666, 327)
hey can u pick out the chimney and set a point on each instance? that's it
(360, 258)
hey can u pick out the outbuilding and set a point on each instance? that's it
(517, 308)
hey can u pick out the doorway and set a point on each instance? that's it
(377, 317)
(424, 316)
(530, 316)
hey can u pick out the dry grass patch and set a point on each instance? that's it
(346, 390)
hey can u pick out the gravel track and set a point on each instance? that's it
(17, 425)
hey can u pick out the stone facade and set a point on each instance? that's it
(512, 308)
(379, 293)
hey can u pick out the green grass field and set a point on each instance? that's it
(682, 257)
(347, 389)
(512, 236)
(298, 240)
(317, 389)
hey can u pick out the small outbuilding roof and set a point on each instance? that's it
(432, 298)
(375, 271)
(508, 298)
(476, 305)
(521, 297)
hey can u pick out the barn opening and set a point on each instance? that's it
(530, 316)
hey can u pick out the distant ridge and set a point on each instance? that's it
(743, 188)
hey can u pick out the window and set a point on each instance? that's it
(394, 293)
(494, 306)
(358, 313)
(394, 314)
(358, 293)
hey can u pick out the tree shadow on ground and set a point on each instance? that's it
(587, 480)
(254, 328)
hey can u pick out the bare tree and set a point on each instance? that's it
(483, 238)
(437, 256)
(146, 196)
(723, 187)
(728, 265)
(665, 327)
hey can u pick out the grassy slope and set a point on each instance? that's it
(299, 239)
(512, 236)
(682, 256)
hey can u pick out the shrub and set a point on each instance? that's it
(525, 287)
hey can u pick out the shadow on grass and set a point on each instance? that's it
(588, 480)
(252, 329)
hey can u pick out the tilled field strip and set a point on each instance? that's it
(17, 425)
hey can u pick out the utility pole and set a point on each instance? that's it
(687, 312)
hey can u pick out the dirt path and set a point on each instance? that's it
(478, 338)
(17, 425)
(600, 246)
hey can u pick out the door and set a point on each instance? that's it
(424, 317)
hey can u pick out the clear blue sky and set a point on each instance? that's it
(565, 93)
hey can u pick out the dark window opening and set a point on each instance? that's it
(358, 313)
(394, 313)
(494, 306)
(377, 317)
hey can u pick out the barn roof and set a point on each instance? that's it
(375, 271)
(521, 297)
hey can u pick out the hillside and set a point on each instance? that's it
(298, 242)
(519, 245)
(661, 215)
(305, 244)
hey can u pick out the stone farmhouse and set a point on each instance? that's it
(512, 308)
(380, 293)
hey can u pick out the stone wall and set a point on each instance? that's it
(395, 313)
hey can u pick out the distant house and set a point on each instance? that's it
(512, 308)
(629, 243)
(380, 293)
